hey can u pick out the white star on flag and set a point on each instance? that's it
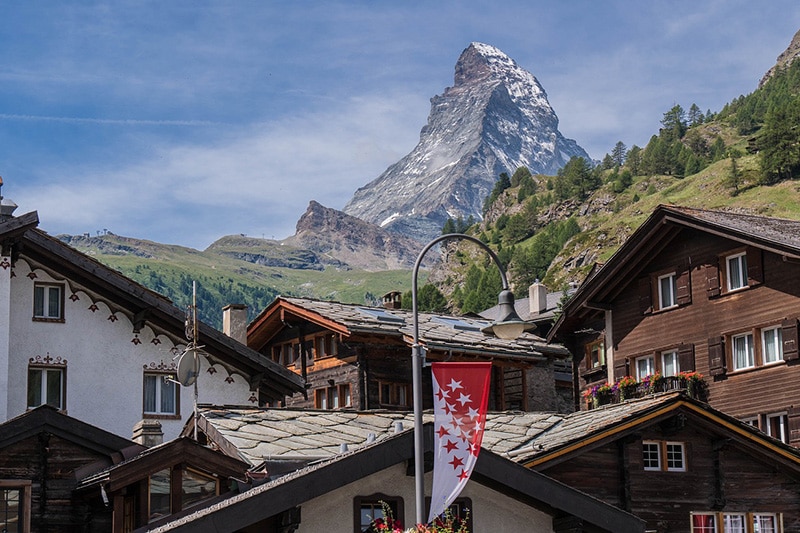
(458, 427)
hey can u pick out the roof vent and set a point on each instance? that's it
(398, 426)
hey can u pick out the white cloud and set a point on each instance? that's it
(258, 180)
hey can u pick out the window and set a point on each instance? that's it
(675, 456)
(369, 508)
(733, 523)
(48, 302)
(651, 455)
(670, 365)
(666, 456)
(394, 394)
(645, 366)
(325, 346)
(765, 523)
(667, 289)
(704, 523)
(160, 499)
(772, 345)
(460, 510)
(333, 397)
(46, 385)
(737, 271)
(742, 351)
(596, 354)
(777, 426)
(736, 522)
(196, 487)
(160, 395)
(15, 506)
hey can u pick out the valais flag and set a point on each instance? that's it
(460, 398)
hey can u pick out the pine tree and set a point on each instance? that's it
(618, 153)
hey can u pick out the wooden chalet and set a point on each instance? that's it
(359, 357)
(677, 463)
(694, 290)
(43, 455)
(342, 493)
(82, 337)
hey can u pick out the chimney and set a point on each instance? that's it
(537, 294)
(234, 322)
(7, 207)
(148, 433)
(392, 300)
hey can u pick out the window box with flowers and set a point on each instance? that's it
(627, 388)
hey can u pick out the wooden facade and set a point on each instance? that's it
(693, 290)
(727, 470)
(42, 455)
(359, 357)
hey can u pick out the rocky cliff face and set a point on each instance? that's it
(338, 238)
(493, 119)
(791, 53)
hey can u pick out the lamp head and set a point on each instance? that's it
(508, 325)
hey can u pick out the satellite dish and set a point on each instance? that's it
(188, 367)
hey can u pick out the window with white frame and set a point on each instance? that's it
(645, 366)
(742, 351)
(651, 455)
(667, 289)
(160, 395)
(736, 271)
(740, 522)
(46, 385)
(733, 523)
(772, 345)
(670, 365)
(48, 301)
(675, 457)
(778, 426)
(663, 456)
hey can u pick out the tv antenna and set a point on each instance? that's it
(189, 361)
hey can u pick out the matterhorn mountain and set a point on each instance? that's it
(493, 119)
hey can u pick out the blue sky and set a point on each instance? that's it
(187, 120)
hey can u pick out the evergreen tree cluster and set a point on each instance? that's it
(680, 148)
(212, 293)
(772, 115)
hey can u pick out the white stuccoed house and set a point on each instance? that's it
(84, 338)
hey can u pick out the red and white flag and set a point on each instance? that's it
(460, 398)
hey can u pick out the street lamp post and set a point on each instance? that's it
(508, 326)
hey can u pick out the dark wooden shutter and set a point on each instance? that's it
(683, 292)
(645, 294)
(789, 334)
(712, 278)
(716, 356)
(621, 367)
(794, 426)
(686, 357)
(755, 268)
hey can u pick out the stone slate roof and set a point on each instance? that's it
(443, 332)
(263, 434)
